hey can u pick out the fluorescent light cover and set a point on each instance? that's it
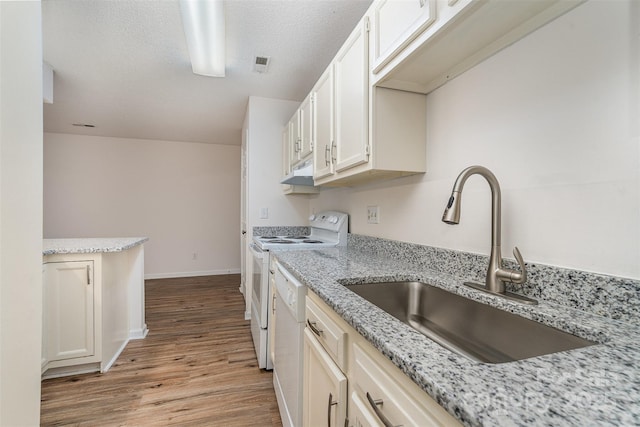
(203, 22)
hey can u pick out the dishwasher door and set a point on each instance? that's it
(287, 365)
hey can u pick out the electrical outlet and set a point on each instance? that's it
(373, 214)
(264, 213)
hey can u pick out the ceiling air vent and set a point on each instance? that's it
(261, 64)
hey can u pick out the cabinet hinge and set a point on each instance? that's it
(367, 26)
(367, 152)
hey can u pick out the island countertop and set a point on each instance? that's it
(596, 385)
(90, 245)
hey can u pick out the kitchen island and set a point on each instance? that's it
(93, 302)
(596, 385)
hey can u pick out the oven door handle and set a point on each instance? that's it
(257, 252)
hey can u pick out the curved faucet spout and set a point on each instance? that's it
(496, 275)
(452, 212)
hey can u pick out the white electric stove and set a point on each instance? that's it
(327, 229)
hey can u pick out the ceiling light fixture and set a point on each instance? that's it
(203, 22)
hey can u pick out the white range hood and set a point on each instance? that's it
(300, 175)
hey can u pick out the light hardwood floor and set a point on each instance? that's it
(197, 367)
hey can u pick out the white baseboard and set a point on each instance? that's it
(191, 274)
(138, 334)
(106, 366)
(65, 371)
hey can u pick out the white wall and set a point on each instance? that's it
(184, 196)
(265, 121)
(555, 117)
(20, 212)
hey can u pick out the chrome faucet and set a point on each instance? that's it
(496, 274)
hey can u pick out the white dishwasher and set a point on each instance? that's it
(287, 364)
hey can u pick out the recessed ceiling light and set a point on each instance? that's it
(83, 125)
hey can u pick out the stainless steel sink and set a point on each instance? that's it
(477, 331)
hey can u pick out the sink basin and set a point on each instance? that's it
(477, 331)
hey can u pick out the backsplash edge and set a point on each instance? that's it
(609, 296)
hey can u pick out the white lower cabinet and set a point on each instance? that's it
(93, 304)
(380, 394)
(325, 387)
(69, 311)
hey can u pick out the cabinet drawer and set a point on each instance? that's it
(392, 400)
(329, 333)
(360, 413)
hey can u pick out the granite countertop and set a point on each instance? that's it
(90, 245)
(596, 385)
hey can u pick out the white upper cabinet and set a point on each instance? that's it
(323, 128)
(364, 133)
(286, 153)
(395, 23)
(368, 110)
(305, 146)
(294, 139)
(351, 67)
(457, 35)
(300, 133)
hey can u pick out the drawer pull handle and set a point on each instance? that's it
(329, 405)
(312, 326)
(374, 404)
(273, 304)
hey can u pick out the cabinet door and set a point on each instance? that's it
(352, 100)
(306, 127)
(325, 387)
(69, 310)
(286, 144)
(395, 24)
(323, 125)
(294, 138)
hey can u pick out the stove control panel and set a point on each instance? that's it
(329, 220)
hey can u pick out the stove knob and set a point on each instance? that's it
(333, 219)
(312, 217)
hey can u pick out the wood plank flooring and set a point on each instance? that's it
(197, 367)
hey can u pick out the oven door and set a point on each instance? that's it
(260, 285)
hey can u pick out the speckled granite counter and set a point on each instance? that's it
(597, 385)
(90, 245)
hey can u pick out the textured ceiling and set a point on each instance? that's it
(123, 65)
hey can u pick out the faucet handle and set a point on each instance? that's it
(513, 276)
(520, 277)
